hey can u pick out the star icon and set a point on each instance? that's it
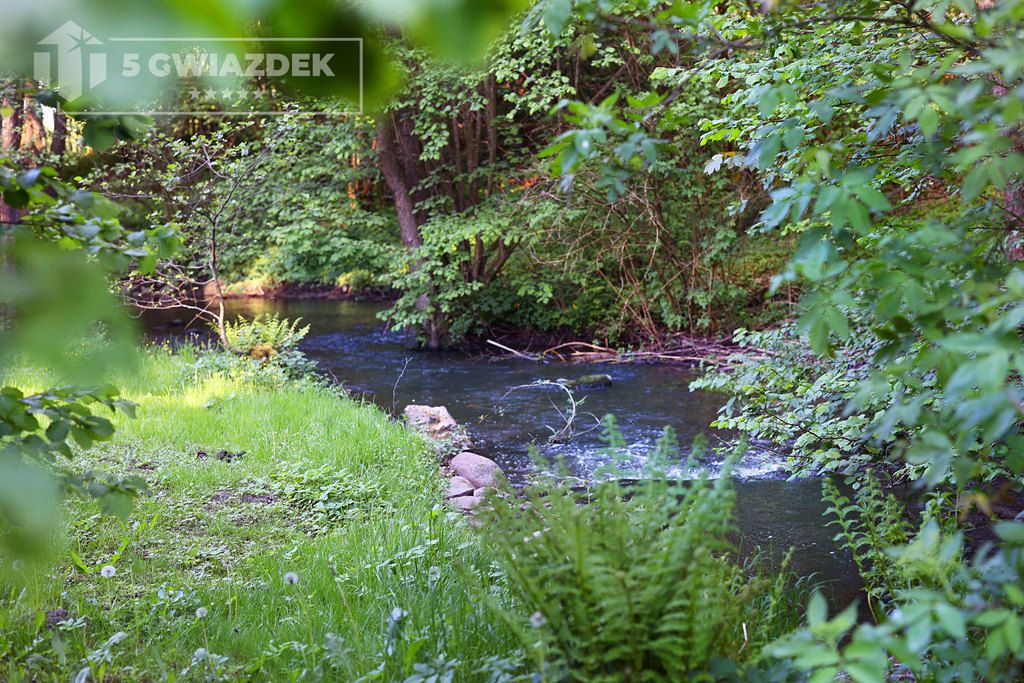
(210, 93)
(257, 94)
(227, 93)
(194, 93)
(242, 93)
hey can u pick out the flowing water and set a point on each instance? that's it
(351, 344)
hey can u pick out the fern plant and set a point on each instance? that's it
(633, 584)
(270, 339)
(869, 524)
(280, 334)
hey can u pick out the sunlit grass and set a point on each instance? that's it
(221, 535)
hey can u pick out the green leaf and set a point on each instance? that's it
(974, 183)
(118, 503)
(865, 672)
(28, 178)
(556, 15)
(992, 617)
(928, 120)
(1013, 636)
(1011, 532)
(817, 609)
(952, 620)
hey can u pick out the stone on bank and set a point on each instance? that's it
(473, 474)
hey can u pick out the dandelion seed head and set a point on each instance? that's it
(291, 578)
(201, 613)
(108, 571)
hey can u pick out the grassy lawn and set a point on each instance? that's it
(323, 551)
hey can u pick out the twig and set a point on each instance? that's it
(520, 354)
(565, 433)
(394, 388)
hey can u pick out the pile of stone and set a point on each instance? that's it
(471, 476)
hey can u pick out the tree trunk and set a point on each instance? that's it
(394, 176)
(59, 143)
(1013, 195)
(10, 142)
(33, 135)
(392, 149)
(11, 136)
(1013, 200)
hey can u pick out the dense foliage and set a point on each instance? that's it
(852, 113)
(443, 200)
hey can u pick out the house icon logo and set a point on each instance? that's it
(72, 60)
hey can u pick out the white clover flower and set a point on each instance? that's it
(108, 571)
(537, 620)
(18, 565)
(291, 578)
(201, 613)
(200, 655)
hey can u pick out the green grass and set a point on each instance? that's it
(328, 489)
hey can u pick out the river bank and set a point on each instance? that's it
(260, 289)
(320, 545)
(675, 348)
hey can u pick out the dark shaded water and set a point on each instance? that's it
(350, 343)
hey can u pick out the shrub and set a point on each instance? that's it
(782, 392)
(355, 280)
(868, 526)
(272, 340)
(637, 583)
(944, 617)
(266, 329)
(267, 354)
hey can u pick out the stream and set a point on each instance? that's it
(351, 344)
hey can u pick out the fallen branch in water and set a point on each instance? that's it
(520, 354)
(716, 352)
(566, 432)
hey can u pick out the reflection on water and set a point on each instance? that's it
(352, 345)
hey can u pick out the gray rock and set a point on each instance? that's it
(466, 503)
(437, 423)
(460, 486)
(480, 471)
(430, 418)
